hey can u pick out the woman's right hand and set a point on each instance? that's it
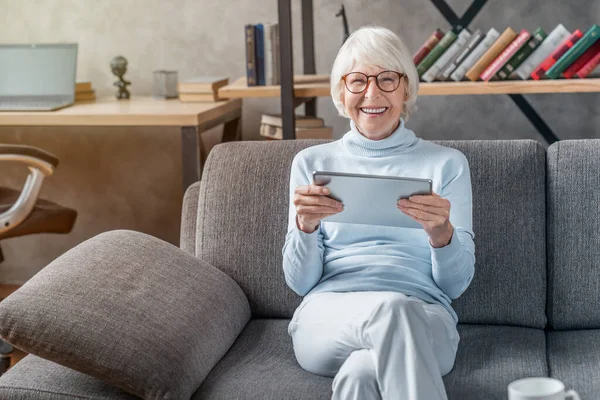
(312, 205)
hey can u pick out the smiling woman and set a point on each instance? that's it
(377, 312)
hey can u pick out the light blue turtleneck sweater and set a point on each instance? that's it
(347, 257)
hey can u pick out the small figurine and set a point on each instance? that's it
(119, 67)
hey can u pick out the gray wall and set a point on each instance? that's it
(129, 177)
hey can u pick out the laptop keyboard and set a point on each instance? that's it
(28, 103)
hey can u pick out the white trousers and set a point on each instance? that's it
(376, 345)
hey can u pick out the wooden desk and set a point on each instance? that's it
(192, 118)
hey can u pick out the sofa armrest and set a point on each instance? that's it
(131, 310)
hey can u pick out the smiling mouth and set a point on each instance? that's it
(374, 111)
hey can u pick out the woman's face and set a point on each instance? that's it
(375, 113)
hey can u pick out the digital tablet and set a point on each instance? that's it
(371, 199)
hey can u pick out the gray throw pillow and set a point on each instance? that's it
(129, 309)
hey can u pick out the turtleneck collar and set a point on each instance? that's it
(359, 145)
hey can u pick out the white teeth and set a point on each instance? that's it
(374, 110)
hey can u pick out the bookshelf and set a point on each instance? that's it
(319, 88)
(293, 92)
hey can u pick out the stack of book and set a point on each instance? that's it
(84, 92)
(306, 127)
(262, 54)
(509, 55)
(201, 88)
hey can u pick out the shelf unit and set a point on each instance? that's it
(307, 87)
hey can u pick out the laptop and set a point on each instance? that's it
(37, 77)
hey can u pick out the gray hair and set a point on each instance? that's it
(377, 46)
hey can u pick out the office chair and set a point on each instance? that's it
(23, 213)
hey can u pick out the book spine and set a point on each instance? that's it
(534, 41)
(260, 54)
(437, 51)
(435, 37)
(574, 52)
(540, 71)
(250, 55)
(505, 55)
(277, 56)
(463, 52)
(581, 61)
(268, 54)
(490, 37)
(447, 57)
(554, 38)
(486, 59)
(589, 66)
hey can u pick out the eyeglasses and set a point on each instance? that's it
(387, 81)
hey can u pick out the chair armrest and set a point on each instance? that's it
(29, 155)
(41, 164)
(132, 310)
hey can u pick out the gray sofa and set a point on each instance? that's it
(533, 308)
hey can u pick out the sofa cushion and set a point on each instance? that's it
(34, 378)
(131, 310)
(244, 203)
(261, 365)
(490, 357)
(574, 358)
(573, 234)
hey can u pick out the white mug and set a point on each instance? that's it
(540, 389)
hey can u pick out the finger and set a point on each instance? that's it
(424, 208)
(418, 214)
(430, 200)
(312, 210)
(317, 201)
(312, 190)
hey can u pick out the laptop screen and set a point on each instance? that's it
(38, 69)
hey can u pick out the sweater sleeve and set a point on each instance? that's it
(302, 252)
(453, 266)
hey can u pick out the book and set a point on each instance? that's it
(85, 96)
(589, 66)
(251, 76)
(83, 87)
(436, 52)
(462, 53)
(260, 54)
(495, 49)
(490, 71)
(302, 121)
(572, 54)
(540, 71)
(534, 41)
(478, 51)
(554, 38)
(202, 84)
(270, 75)
(581, 61)
(432, 73)
(275, 132)
(429, 44)
(198, 97)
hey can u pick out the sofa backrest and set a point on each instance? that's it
(574, 234)
(242, 222)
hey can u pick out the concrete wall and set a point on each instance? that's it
(130, 177)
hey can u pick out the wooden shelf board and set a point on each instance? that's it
(320, 87)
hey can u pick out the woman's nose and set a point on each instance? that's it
(372, 90)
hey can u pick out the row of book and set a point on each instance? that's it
(510, 55)
(307, 127)
(262, 54)
(201, 88)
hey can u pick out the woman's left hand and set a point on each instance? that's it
(432, 212)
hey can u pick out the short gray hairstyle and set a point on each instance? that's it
(377, 46)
